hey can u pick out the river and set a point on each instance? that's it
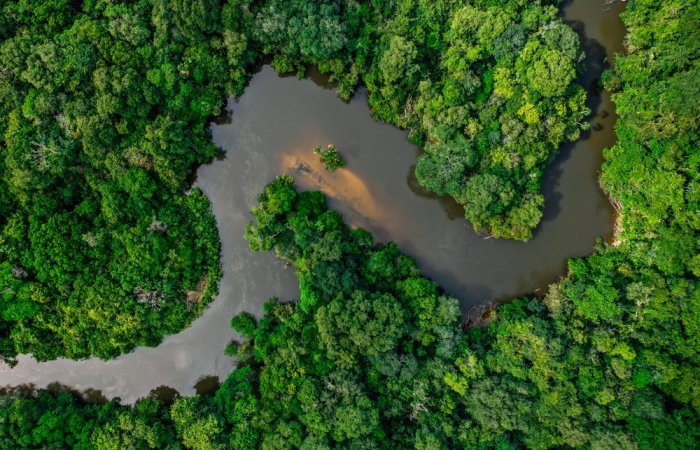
(272, 129)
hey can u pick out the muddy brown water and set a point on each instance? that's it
(272, 129)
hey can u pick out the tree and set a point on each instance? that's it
(330, 157)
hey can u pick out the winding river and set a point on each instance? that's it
(270, 130)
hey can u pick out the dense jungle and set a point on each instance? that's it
(105, 246)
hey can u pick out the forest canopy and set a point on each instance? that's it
(104, 111)
(372, 355)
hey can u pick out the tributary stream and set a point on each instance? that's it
(272, 129)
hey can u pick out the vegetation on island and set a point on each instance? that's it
(331, 159)
(373, 355)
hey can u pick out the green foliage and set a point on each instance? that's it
(379, 359)
(197, 429)
(586, 367)
(373, 355)
(102, 247)
(490, 90)
(330, 157)
(104, 109)
(62, 419)
(244, 324)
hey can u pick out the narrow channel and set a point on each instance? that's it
(272, 129)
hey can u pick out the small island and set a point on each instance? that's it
(330, 157)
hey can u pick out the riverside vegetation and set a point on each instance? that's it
(373, 355)
(104, 113)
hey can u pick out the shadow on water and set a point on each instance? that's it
(219, 156)
(207, 385)
(311, 73)
(88, 395)
(595, 63)
(164, 394)
(20, 390)
(225, 118)
(550, 185)
(452, 209)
